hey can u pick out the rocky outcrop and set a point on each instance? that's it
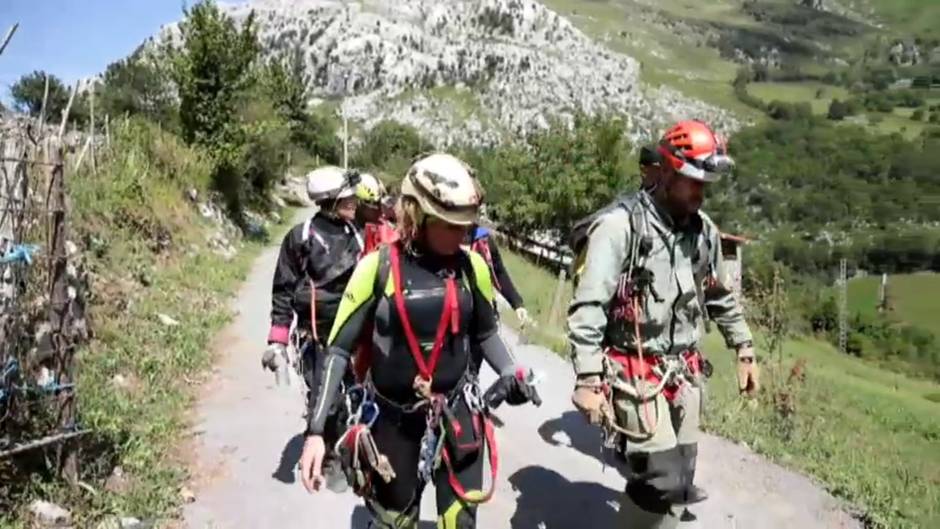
(508, 65)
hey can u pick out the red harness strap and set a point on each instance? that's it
(450, 317)
(450, 320)
(635, 366)
(489, 436)
(377, 234)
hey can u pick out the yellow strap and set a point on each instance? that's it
(358, 291)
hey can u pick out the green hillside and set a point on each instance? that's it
(914, 298)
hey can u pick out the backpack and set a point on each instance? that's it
(639, 244)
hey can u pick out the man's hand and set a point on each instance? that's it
(589, 399)
(311, 463)
(523, 316)
(748, 371)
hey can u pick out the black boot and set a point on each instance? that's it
(687, 495)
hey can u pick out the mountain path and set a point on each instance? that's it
(552, 473)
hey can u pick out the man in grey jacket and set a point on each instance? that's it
(648, 277)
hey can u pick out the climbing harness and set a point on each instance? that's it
(450, 320)
(444, 439)
(356, 444)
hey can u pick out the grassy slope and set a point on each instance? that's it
(914, 297)
(798, 92)
(700, 72)
(871, 437)
(665, 60)
(914, 16)
(139, 426)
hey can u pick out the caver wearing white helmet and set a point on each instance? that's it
(429, 305)
(333, 189)
(316, 260)
(441, 199)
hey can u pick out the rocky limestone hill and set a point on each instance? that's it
(479, 71)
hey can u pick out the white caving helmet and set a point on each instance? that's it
(331, 183)
(444, 187)
(370, 189)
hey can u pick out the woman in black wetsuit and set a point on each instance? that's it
(429, 302)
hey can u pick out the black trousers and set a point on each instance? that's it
(396, 504)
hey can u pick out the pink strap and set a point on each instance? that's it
(279, 334)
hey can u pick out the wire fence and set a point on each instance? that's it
(41, 305)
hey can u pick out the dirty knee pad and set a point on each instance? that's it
(388, 519)
(458, 516)
(652, 477)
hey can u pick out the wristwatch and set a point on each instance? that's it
(744, 345)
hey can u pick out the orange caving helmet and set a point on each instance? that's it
(694, 150)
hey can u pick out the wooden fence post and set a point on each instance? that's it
(67, 453)
(91, 130)
(6, 40)
(553, 314)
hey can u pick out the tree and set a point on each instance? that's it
(136, 86)
(390, 146)
(211, 69)
(285, 81)
(557, 176)
(28, 92)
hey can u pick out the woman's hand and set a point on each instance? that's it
(311, 463)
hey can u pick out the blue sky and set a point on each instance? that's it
(76, 38)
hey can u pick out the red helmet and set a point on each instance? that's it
(694, 150)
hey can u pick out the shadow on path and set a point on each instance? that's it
(582, 437)
(549, 501)
(289, 457)
(360, 520)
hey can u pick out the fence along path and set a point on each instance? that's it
(41, 302)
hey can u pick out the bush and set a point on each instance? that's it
(782, 111)
(557, 176)
(137, 87)
(837, 110)
(28, 92)
(390, 147)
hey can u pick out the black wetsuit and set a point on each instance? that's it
(324, 249)
(398, 433)
(482, 243)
